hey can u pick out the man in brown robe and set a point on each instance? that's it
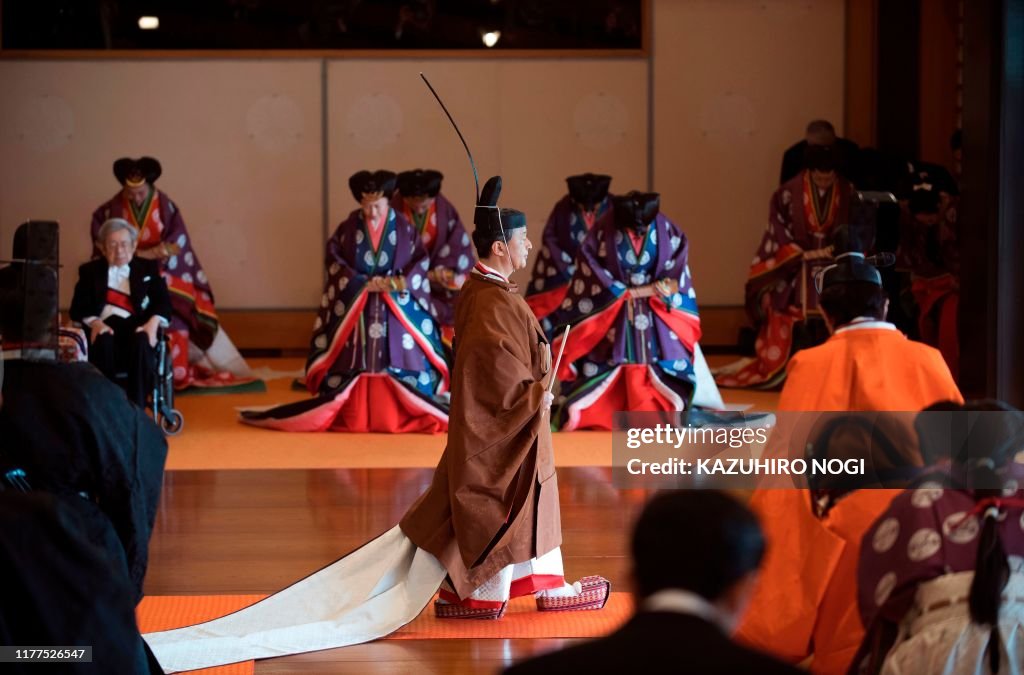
(491, 514)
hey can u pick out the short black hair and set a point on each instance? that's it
(845, 302)
(702, 541)
(482, 242)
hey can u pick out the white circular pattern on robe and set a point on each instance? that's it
(376, 330)
(541, 267)
(417, 281)
(383, 259)
(602, 250)
(924, 497)
(600, 120)
(566, 257)
(342, 283)
(324, 301)
(585, 269)
(179, 373)
(679, 365)
(631, 257)
(360, 236)
(190, 259)
(274, 123)
(403, 298)
(677, 300)
(579, 286)
(572, 219)
(645, 258)
(552, 271)
(642, 322)
(43, 122)
(445, 251)
(961, 528)
(672, 336)
(201, 276)
(339, 308)
(392, 237)
(773, 353)
(330, 293)
(186, 277)
(618, 238)
(374, 121)
(318, 324)
(172, 262)
(538, 285)
(755, 260)
(886, 534)
(368, 258)
(424, 378)
(580, 236)
(410, 380)
(589, 369)
(567, 303)
(586, 306)
(463, 262)
(884, 588)
(595, 289)
(334, 381)
(465, 238)
(1010, 487)
(427, 326)
(182, 240)
(638, 279)
(675, 241)
(546, 325)
(333, 269)
(786, 196)
(923, 544)
(670, 263)
(320, 342)
(618, 286)
(407, 342)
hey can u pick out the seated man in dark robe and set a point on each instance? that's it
(822, 133)
(82, 461)
(123, 301)
(573, 217)
(695, 555)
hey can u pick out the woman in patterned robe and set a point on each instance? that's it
(941, 575)
(635, 326)
(374, 339)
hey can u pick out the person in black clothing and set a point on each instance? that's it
(821, 132)
(695, 558)
(123, 301)
(80, 475)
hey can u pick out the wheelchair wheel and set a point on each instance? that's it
(172, 422)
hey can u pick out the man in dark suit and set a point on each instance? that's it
(123, 301)
(695, 558)
(821, 132)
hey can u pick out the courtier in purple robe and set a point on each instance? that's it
(375, 343)
(941, 573)
(633, 312)
(443, 236)
(803, 216)
(570, 221)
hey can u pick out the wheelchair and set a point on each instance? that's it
(169, 419)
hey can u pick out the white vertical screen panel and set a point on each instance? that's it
(735, 84)
(533, 122)
(239, 142)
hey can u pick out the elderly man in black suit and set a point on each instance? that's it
(695, 559)
(123, 301)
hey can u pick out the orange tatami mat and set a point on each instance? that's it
(521, 620)
(213, 438)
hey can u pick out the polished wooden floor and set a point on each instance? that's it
(228, 532)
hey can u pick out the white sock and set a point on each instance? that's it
(566, 591)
